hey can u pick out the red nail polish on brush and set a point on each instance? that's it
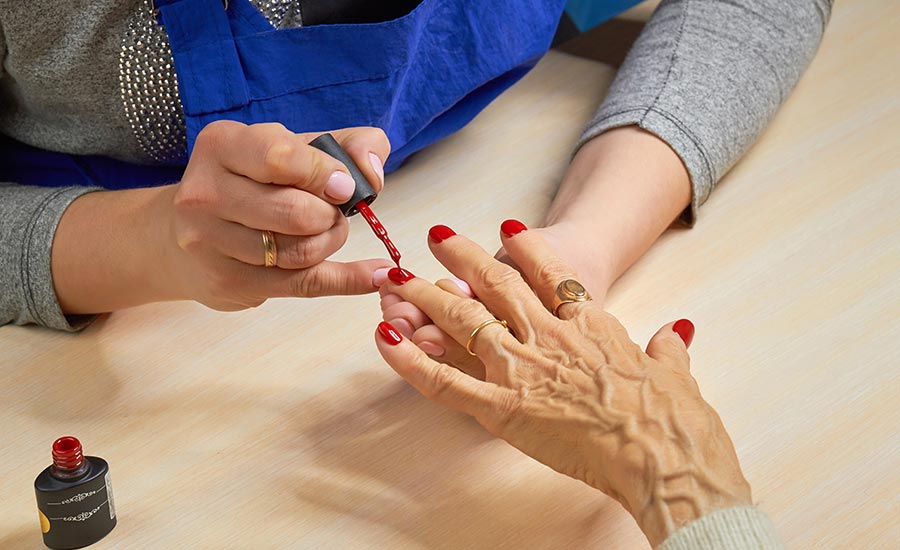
(398, 275)
(74, 497)
(511, 228)
(440, 233)
(685, 329)
(389, 334)
(363, 195)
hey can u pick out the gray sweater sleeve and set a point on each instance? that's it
(706, 76)
(28, 220)
(739, 528)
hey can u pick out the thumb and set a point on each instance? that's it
(327, 279)
(669, 344)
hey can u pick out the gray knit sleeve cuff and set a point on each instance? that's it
(30, 216)
(740, 528)
(667, 128)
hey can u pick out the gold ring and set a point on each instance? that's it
(271, 249)
(478, 329)
(567, 292)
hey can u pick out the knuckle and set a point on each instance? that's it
(277, 157)
(552, 270)
(292, 212)
(439, 382)
(213, 134)
(316, 169)
(191, 240)
(301, 285)
(464, 311)
(301, 253)
(311, 283)
(505, 409)
(497, 277)
(191, 197)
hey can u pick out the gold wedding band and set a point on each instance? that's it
(478, 329)
(567, 292)
(271, 249)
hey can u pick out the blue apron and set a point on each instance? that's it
(420, 77)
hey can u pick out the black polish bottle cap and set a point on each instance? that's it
(364, 190)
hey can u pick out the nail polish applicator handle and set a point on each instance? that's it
(364, 191)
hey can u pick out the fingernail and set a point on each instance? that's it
(377, 165)
(440, 233)
(380, 276)
(402, 326)
(389, 334)
(464, 286)
(340, 186)
(512, 227)
(432, 349)
(685, 329)
(398, 275)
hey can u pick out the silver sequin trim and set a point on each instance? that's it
(149, 86)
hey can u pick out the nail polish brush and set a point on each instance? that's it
(363, 195)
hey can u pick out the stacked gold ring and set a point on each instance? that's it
(478, 329)
(271, 249)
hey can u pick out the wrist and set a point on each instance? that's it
(622, 190)
(663, 504)
(163, 273)
(106, 252)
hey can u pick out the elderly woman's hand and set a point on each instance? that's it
(572, 391)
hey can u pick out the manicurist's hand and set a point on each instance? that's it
(205, 238)
(242, 180)
(570, 390)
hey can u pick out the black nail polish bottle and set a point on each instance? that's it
(74, 497)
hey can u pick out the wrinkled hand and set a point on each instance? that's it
(573, 392)
(566, 242)
(244, 179)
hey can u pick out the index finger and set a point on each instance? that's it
(543, 269)
(495, 283)
(270, 153)
(440, 382)
(457, 316)
(369, 148)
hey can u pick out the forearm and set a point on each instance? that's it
(706, 76)
(622, 190)
(109, 253)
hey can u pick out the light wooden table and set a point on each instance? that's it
(282, 428)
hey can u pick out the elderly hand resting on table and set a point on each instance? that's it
(572, 390)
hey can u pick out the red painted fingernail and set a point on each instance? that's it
(440, 233)
(398, 275)
(685, 329)
(389, 334)
(512, 227)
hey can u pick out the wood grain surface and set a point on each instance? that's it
(281, 427)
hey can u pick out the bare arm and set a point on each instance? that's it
(697, 89)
